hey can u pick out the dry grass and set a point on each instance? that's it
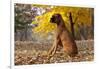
(35, 53)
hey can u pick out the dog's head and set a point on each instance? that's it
(56, 18)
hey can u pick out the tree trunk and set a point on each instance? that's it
(72, 24)
(92, 18)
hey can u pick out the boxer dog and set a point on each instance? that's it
(62, 38)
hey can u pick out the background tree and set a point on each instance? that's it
(23, 19)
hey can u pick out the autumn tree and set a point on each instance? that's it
(72, 16)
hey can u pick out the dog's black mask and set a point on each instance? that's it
(56, 18)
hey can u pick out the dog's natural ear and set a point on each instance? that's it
(58, 15)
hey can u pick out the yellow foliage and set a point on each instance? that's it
(44, 25)
(82, 15)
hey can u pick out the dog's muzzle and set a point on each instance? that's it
(52, 20)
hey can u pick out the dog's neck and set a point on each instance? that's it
(61, 23)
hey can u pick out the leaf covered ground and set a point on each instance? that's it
(28, 52)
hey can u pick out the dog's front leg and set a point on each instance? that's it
(52, 48)
(50, 51)
(55, 47)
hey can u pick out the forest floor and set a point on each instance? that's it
(27, 53)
